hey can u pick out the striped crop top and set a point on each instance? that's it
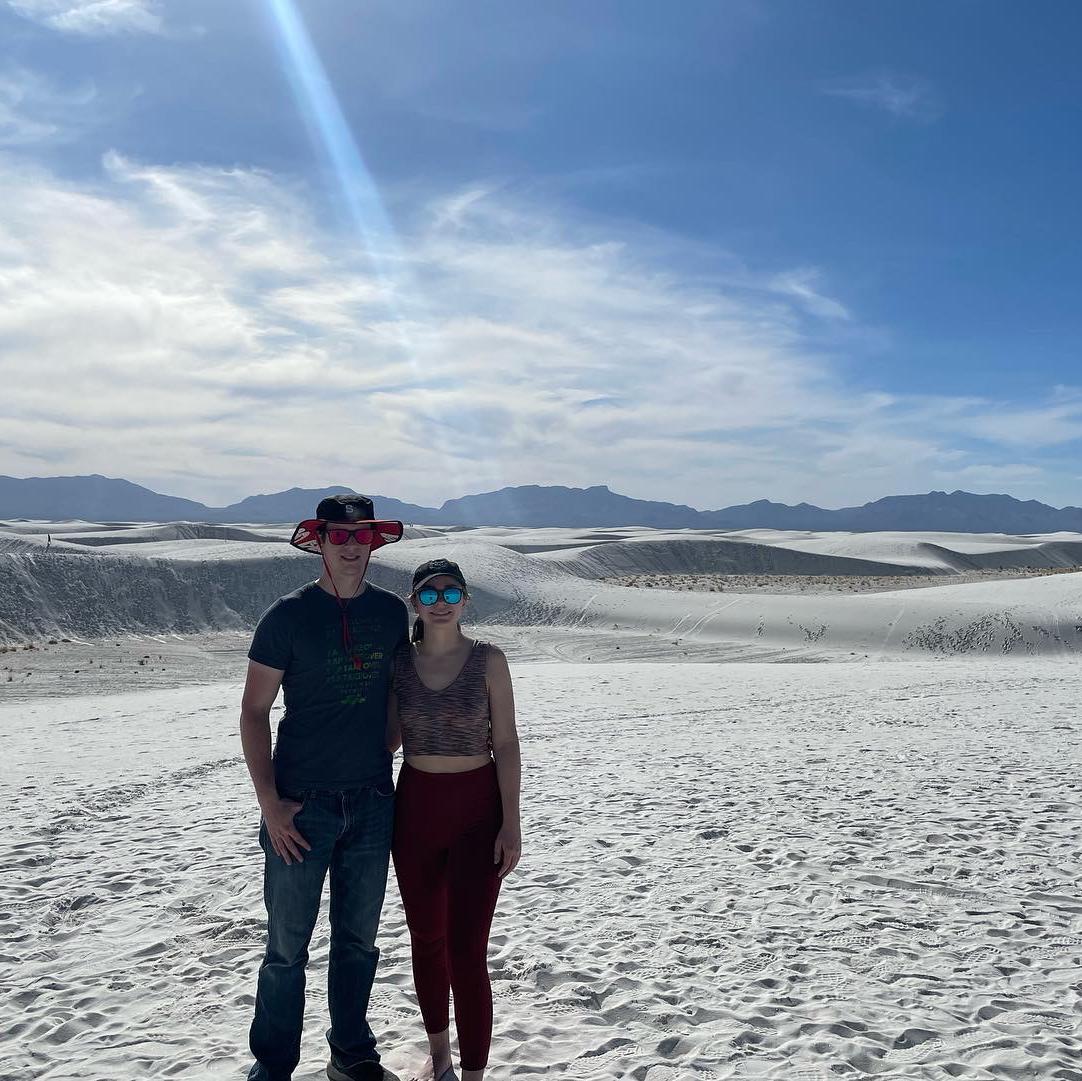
(451, 721)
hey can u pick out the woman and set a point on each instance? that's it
(457, 832)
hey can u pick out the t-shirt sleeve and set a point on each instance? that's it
(272, 643)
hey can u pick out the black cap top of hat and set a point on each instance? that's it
(348, 507)
(435, 567)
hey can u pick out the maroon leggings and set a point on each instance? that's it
(444, 837)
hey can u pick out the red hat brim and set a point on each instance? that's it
(306, 535)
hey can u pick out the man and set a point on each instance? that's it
(326, 797)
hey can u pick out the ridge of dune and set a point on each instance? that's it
(174, 531)
(950, 552)
(700, 555)
(73, 525)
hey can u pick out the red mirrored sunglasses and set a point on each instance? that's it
(342, 536)
(380, 533)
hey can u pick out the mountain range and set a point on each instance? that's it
(105, 499)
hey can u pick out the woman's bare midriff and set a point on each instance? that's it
(447, 763)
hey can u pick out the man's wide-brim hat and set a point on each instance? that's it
(351, 509)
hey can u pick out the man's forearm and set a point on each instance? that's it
(255, 741)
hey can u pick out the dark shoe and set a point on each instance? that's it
(361, 1071)
(259, 1072)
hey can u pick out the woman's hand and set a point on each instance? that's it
(508, 848)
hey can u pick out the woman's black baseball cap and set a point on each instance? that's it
(434, 568)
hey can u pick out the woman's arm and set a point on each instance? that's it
(505, 750)
(394, 727)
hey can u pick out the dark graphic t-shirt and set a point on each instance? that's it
(332, 734)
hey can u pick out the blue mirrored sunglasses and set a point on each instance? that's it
(429, 595)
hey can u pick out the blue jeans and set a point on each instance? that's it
(350, 834)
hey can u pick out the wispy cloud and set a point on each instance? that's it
(35, 110)
(1050, 424)
(906, 97)
(1001, 477)
(200, 323)
(93, 18)
(802, 285)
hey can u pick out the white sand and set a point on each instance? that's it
(822, 583)
(791, 871)
(739, 871)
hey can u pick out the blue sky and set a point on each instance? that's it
(707, 252)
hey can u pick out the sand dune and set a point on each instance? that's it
(190, 579)
(173, 531)
(953, 551)
(76, 590)
(708, 555)
(1028, 617)
(36, 528)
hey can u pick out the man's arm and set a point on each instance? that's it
(260, 690)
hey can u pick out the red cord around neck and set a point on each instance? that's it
(347, 638)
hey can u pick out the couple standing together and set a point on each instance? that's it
(356, 688)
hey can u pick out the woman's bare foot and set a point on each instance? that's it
(438, 1070)
(439, 1062)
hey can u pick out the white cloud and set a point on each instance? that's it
(33, 109)
(93, 18)
(197, 330)
(996, 477)
(801, 285)
(903, 96)
(1042, 426)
